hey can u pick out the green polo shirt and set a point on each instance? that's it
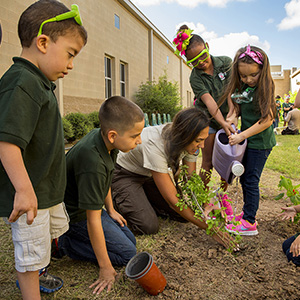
(203, 83)
(250, 114)
(89, 175)
(30, 119)
(286, 105)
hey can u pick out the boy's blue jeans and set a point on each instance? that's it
(120, 241)
(254, 161)
(286, 250)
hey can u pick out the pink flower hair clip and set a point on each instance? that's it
(255, 55)
(182, 40)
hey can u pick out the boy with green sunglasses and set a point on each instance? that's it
(32, 168)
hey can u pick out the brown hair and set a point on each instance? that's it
(265, 84)
(120, 114)
(185, 128)
(32, 18)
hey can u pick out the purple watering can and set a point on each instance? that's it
(227, 159)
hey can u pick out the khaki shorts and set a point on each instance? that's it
(33, 242)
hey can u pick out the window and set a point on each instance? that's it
(108, 77)
(117, 21)
(167, 59)
(123, 79)
(189, 99)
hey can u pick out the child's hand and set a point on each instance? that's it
(235, 138)
(232, 120)
(25, 202)
(107, 277)
(295, 247)
(289, 213)
(228, 128)
(118, 217)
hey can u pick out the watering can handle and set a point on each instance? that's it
(233, 148)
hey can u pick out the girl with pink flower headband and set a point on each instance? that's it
(251, 89)
(208, 78)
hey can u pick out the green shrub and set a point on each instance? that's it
(161, 97)
(80, 123)
(93, 117)
(68, 129)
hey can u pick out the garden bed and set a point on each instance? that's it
(194, 265)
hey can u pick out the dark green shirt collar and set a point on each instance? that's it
(34, 69)
(109, 158)
(217, 63)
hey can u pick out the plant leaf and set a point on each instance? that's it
(278, 197)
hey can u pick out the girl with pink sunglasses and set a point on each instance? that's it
(251, 89)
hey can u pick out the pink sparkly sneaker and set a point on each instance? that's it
(243, 227)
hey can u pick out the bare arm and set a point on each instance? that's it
(231, 109)
(25, 200)
(256, 128)
(107, 273)
(232, 116)
(215, 112)
(169, 192)
(191, 166)
(111, 211)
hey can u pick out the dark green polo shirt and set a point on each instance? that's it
(286, 105)
(89, 174)
(203, 83)
(250, 114)
(30, 119)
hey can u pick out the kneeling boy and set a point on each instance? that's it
(96, 234)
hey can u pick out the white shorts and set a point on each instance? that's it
(33, 242)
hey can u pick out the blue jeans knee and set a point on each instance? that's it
(286, 250)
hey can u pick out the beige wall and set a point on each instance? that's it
(295, 81)
(283, 84)
(281, 79)
(165, 60)
(84, 87)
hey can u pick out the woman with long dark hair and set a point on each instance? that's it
(142, 187)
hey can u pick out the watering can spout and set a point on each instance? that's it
(237, 169)
(226, 158)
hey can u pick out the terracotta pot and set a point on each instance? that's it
(144, 271)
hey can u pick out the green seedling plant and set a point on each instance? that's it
(290, 193)
(194, 194)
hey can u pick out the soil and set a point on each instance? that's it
(194, 265)
(198, 268)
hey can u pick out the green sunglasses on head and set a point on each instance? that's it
(73, 13)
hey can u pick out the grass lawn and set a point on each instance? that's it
(285, 157)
